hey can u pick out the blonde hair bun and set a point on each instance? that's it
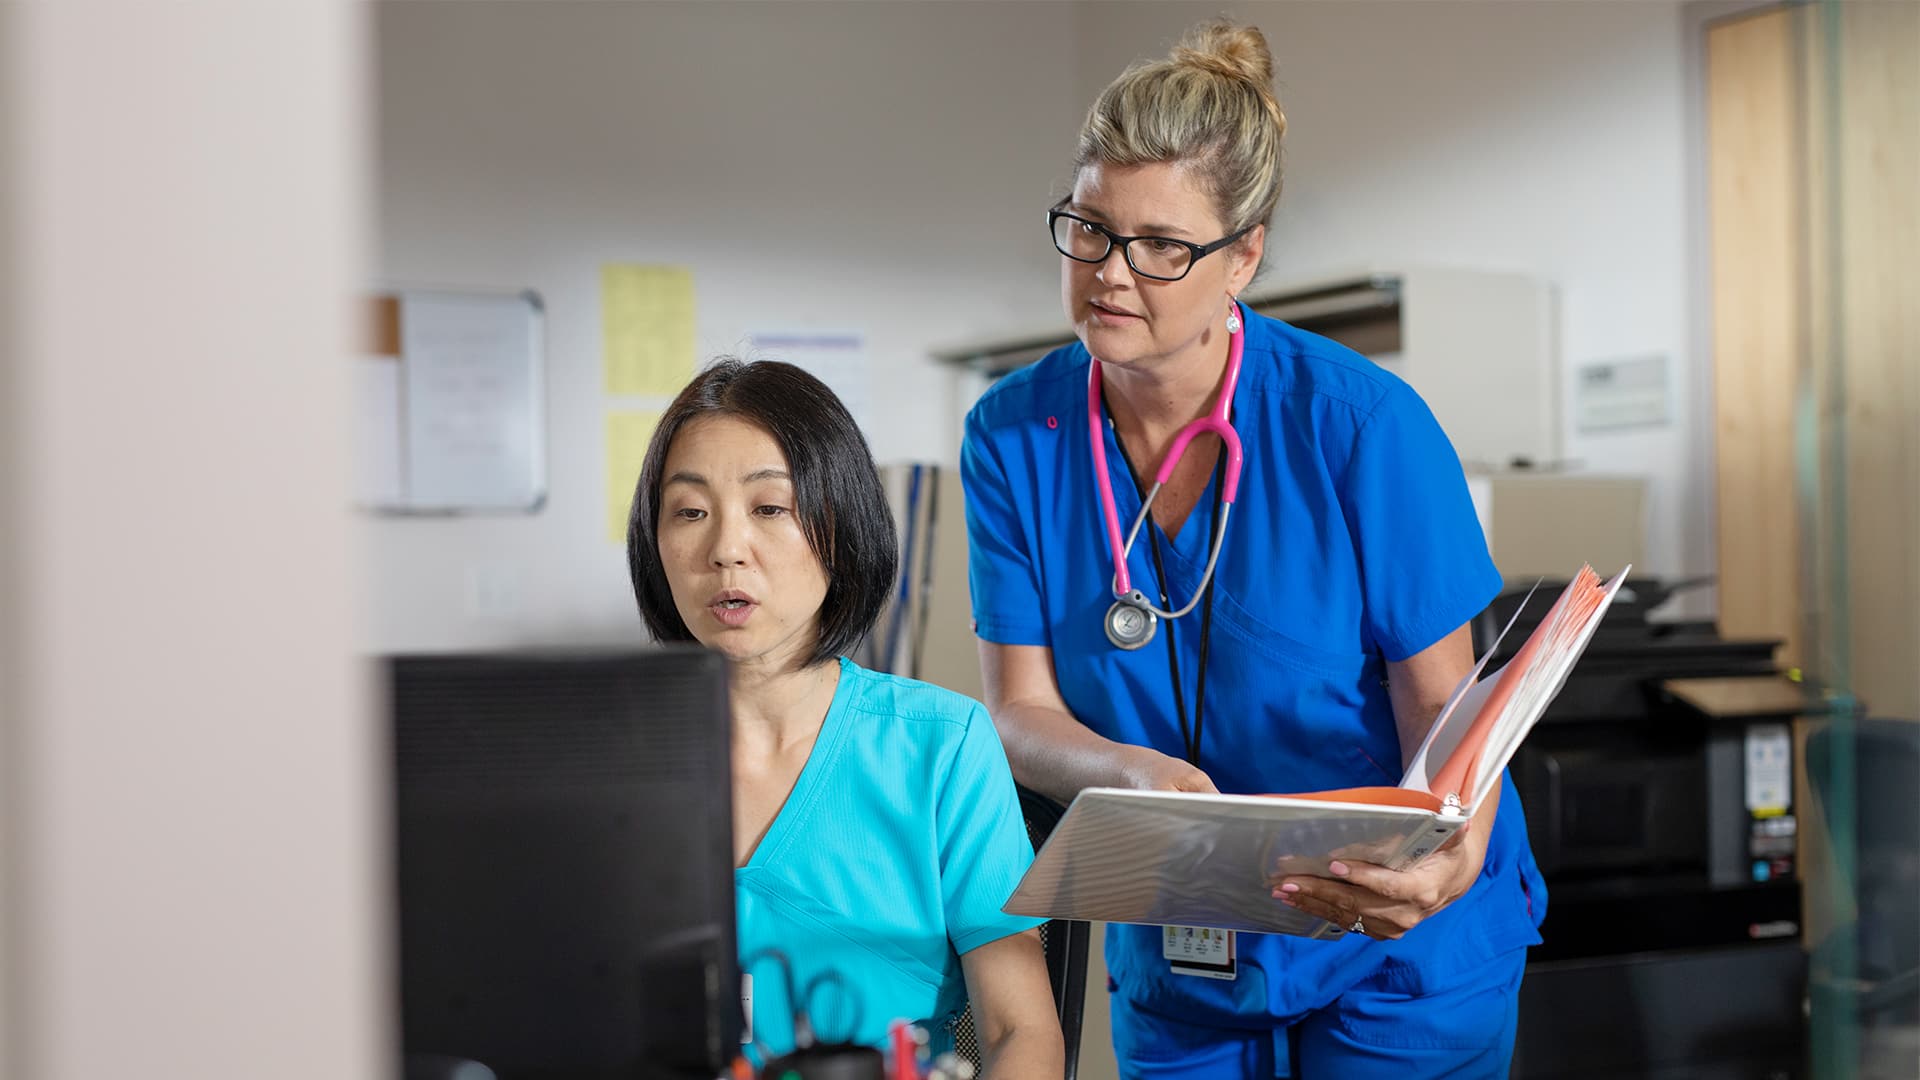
(1209, 105)
(1238, 52)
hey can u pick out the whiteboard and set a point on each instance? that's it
(450, 404)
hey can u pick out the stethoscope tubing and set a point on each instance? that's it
(1216, 423)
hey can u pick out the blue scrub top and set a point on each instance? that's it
(890, 859)
(1352, 542)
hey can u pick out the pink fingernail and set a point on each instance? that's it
(1339, 869)
(1289, 887)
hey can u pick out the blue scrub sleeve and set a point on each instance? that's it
(984, 849)
(1424, 565)
(1000, 571)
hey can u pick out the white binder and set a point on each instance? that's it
(1185, 859)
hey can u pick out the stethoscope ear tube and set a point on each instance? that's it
(1131, 620)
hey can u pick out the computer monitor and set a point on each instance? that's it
(565, 865)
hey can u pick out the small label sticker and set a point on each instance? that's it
(1769, 769)
(1199, 950)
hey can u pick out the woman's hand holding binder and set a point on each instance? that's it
(1146, 769)
(1388, 903)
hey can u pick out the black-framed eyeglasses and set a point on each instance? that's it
(1161, 258)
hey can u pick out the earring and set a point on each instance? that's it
(1233, 315)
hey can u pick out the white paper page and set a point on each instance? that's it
(472, 388)
(1440, 750)
(1533, 699)
(837, 358)
(1529, 704)
(1451, 725)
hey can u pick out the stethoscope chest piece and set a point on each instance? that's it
(1130, 624)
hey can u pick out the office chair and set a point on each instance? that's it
(1884, 987)
(1065, 943)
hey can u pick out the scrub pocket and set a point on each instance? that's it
(1148, 1046)
(1464, 1028)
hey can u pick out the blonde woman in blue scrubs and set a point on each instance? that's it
(1317, 652)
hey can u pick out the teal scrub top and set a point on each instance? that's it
(901, 840)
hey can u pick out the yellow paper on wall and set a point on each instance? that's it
(628, 432)
(647, 321)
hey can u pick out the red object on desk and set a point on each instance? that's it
(905, 1065)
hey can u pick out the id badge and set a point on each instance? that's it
(1200, 950)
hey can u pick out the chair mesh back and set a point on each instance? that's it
(966, 1040)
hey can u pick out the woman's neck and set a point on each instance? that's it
(1155, 401)
(778, 706)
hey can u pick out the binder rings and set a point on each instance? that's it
(1184, 859)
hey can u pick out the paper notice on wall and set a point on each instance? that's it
(473, 390)
(1623, 393)
(628, 432)
(837, 358)
(647, 318)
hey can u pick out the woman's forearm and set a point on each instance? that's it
(1030, 1050)
(1053, 753)
(1013, 1008)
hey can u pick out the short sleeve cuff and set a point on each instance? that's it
(1009, 632)
(1445, 614)
(1003, 927)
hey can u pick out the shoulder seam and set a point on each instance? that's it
(923, 716)
(958, 718)
(1361, 408)
(996, 396)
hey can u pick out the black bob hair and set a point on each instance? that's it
(842, 507)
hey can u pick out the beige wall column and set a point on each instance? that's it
(188, 825)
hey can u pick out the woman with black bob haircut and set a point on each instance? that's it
(842, 507)
(877, 830)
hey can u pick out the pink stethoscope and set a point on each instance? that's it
(1132, 619)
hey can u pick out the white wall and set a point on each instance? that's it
(881, 167)
(847, 166)
(1548, 138)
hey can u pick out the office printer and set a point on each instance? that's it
(1659, 803)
